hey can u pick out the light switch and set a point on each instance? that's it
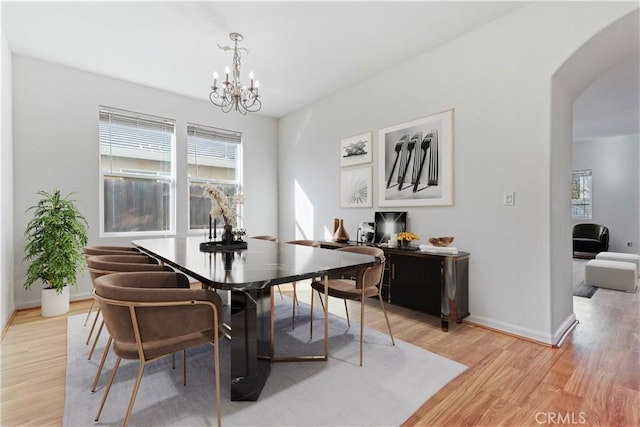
(509, 198)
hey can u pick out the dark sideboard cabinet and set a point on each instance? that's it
(436, 284)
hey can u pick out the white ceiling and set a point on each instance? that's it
(299, 51)
(610, 106)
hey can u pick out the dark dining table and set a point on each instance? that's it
(249, 275)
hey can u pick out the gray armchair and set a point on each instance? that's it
(590, 238)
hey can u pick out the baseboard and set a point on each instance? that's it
(567, 326)
(528, 334)
(27, 305)
(36, 303)
(6, 326)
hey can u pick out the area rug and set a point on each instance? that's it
(393, 383)
(579, 287)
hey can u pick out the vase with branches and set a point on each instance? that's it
(224, 207)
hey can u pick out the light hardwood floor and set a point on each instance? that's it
(592, 379)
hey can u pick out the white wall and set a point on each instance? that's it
(616, 181)
(6, 186)
(498, 80)
(55, 132)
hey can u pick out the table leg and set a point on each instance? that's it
(307, 358)
(250, 343)
(326, 317)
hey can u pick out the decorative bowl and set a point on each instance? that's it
(441, 241)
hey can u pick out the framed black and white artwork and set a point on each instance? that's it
(355, 187)
(356, 150)
(366, 233)
(415, 162)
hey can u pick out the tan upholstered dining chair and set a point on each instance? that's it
(88, 251)
(366, 283)
(150, 315)
(313, 244)
(100, 265)
(110, 250)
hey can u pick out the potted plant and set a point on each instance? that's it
(55, 237)
(406, 238)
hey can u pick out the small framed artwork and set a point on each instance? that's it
(415, 162)
(388, 223)
(366, 233)
(355, 187)
(356, 150)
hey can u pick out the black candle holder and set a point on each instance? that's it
(218, 246)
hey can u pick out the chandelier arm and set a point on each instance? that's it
(248, 104)
(254, 100)
(213, 95)
(258, 104)
(227, 107)
(219, 100)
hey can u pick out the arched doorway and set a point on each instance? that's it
(614, 44)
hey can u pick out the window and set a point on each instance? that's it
(137, 172)
(581, 194)
(214, 156)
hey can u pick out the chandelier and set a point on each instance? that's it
(233, 95)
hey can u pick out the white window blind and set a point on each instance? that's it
(214, 157)
(127, 136)
(213, 153)
(137, 171)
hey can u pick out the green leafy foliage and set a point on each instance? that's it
(55, 237)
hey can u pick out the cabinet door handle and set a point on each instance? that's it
(393, 271)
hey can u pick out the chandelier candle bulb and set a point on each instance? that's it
(215, 80)
(251, 78)
(226, 71)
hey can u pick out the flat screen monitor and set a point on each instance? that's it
(388, 223)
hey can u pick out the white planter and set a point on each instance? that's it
(54, 304)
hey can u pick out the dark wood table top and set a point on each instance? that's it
(398, 250)
(262, 264)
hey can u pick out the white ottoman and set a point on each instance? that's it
(618, 275)
(620, 256)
